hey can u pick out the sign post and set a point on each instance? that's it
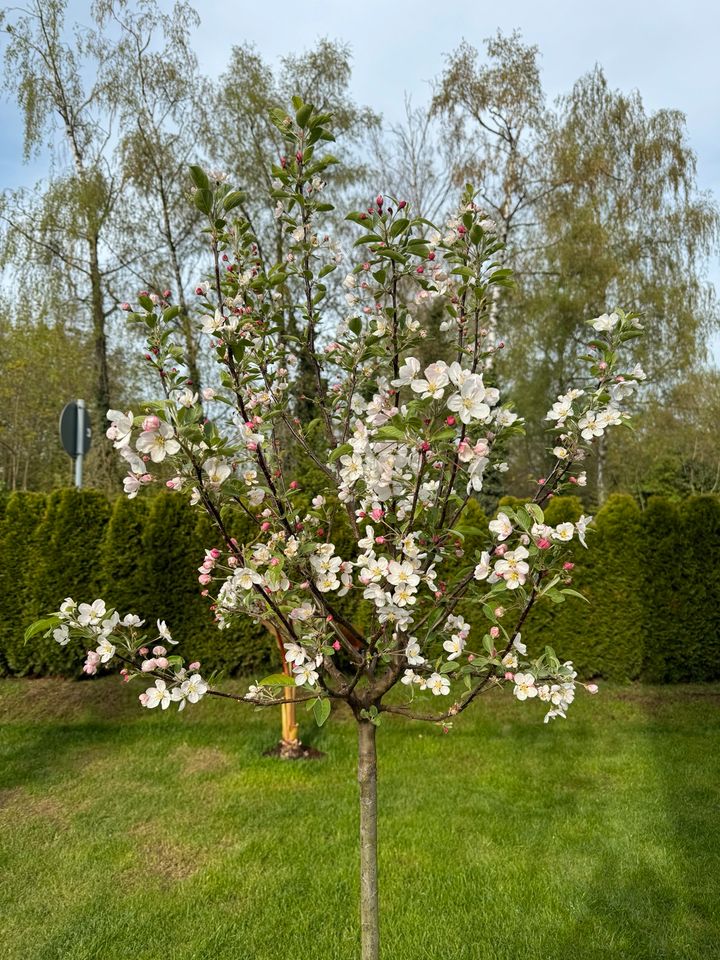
(76, 435)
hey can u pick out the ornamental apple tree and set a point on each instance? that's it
(397, 449)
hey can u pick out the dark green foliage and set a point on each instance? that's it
(652, 579)
(605, 637)
(65, 561)
(173, 545)
(563, 510)
(662, 547)
(682, 587)
(699, 592)
(123, 570)
(23, 512)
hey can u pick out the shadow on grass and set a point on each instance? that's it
(652, 899)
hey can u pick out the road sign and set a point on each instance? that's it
(76, 434)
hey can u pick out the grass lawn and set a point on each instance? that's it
(130, 834)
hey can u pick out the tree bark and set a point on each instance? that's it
(367, 778)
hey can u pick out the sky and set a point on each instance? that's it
(668, 51)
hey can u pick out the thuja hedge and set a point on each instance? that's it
(652, 578)
(139, 555)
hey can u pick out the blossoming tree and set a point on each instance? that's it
(404, 449)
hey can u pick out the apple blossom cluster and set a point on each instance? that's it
(583, 416)
(364, 571)
(113, 637)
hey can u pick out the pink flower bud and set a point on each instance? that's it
(508, 675)
(420, 270)
(568, 565)
(167, 294)
(494, 632)
(274, 562)
(592, 688)
(151, 423)
(199, 291)
(336, 645)
(159, 651)
(294, 484)
(379, 539)
(305, 584)
(329, 618)
(195, 665)
(204, 578)
(543, 543)
(215, 553)
(143, 651)
(431, 255)
(265, 526)
(451, 421)
(500, 550)
(402, 204)
(162, 663)
(377, 513)
(143, 698)
(148, 665)
(379, 201)
(125, 306)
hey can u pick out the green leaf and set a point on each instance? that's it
(321, 710)
(535, 512)
(574, 593)
(388, 254)
(170, 313)
(203, 200)
(355, 325)
(339, 452)
(233, 199)
(450, 666)
(199, 177)
(278, 680)
(399, 226)
(303, 115)
(357, 216)
(389, 432)
(41, 626)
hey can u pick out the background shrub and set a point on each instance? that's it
(652, 578)
(22, 514)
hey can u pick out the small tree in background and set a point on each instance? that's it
(405, 449)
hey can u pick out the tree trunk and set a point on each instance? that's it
(107, 460)
(367, 778)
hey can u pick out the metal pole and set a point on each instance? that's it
(79, 442)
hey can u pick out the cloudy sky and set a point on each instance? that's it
(667, 51)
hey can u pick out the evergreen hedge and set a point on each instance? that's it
(652, 578)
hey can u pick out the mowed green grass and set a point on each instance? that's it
(158, 836)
